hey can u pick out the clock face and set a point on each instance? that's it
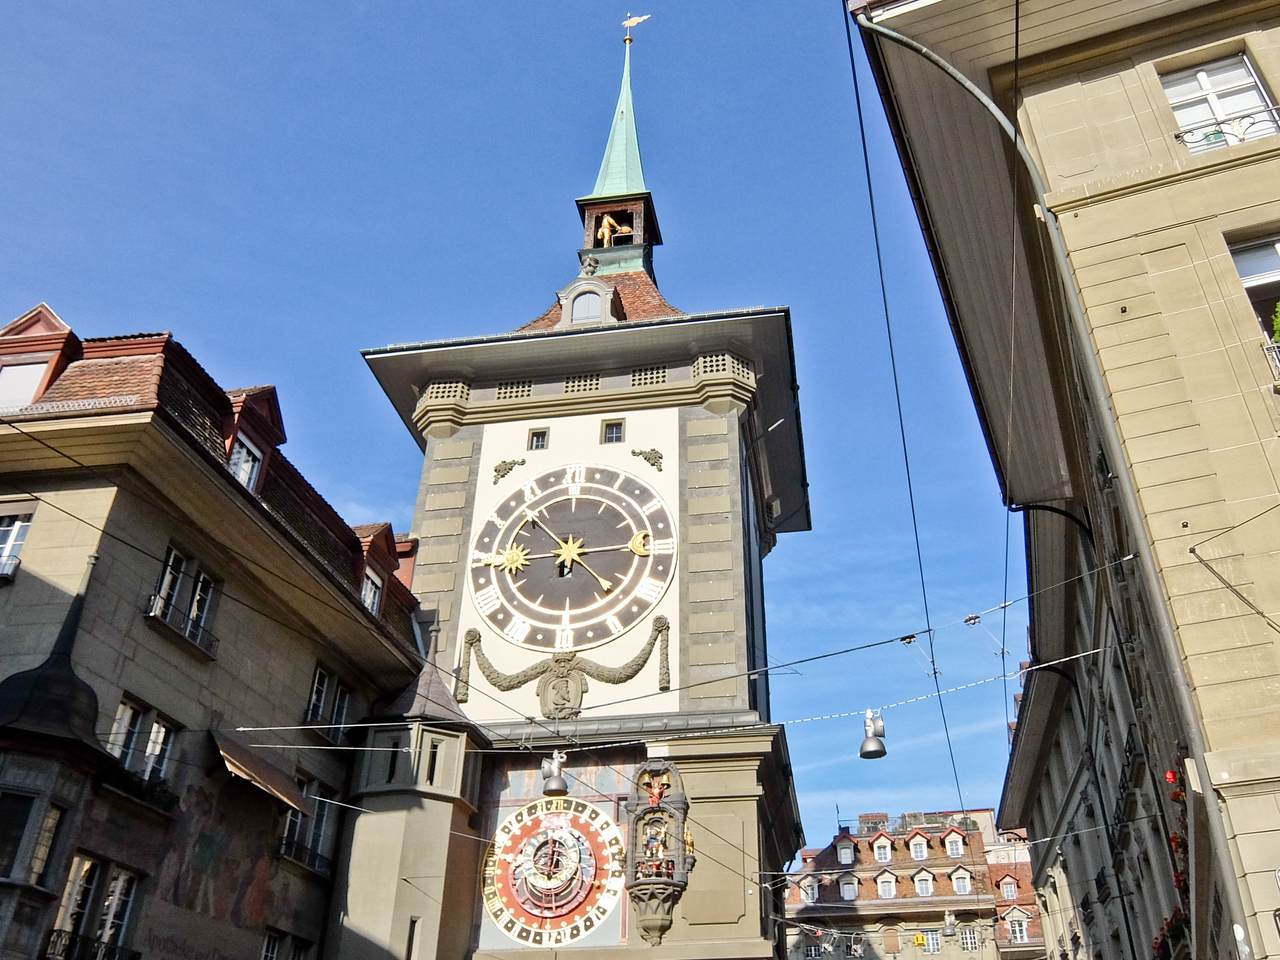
(554, 873)
(572, 558)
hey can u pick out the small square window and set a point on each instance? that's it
(611, 431)
(538, 438)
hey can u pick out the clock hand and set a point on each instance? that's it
(635, 545)
(570, 552)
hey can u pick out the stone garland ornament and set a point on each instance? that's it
(661, 857)
(562, 678)
(504, 467)
(652, 457)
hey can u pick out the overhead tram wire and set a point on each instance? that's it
(845, 17)
(271, 617)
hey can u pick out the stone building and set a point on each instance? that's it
(168, 576)
(1117, 326)
(599, 490)
(939, 884)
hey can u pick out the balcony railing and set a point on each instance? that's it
(163, 610)
(1220, 133)
(297, 851)
(9, 567)
(65, 945)
(1273, 355)
(153, 791)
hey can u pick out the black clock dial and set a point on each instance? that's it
(572, 558)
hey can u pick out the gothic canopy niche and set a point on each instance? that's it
(661, 855)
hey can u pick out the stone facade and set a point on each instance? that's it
(1142, 449)
(897, 888)
(136, 820)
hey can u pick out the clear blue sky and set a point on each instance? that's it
(282, 184)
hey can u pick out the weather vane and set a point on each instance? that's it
(633, 22)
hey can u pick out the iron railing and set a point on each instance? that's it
(1272, 351)
(65, 945)
(294, 849)
(164, 610)
(1237, 129)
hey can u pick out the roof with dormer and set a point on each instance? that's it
(640, 296)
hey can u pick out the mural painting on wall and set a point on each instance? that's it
(661, 855)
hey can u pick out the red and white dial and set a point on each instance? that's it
(555, 872)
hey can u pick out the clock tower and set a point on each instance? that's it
(600, 488)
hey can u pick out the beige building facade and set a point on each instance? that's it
(167, 578)
(1117, 332)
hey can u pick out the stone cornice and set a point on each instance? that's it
(442, 417)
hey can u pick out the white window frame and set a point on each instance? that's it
(924, 885)
(1006, 886)
(919, 849)
(245, 462)
(319, 694)
(371, 590)
(539, 438)
(15, 529)
(1018, 929)
(883, 851)
(117, 907)
(932, 941)
(844, 853)
(955, 847)
(155, 756)
(892, 883)
(849, 889)
(122, 741)
(809, 891)
(1209, 94)
(968, 937)
(962, 877)
(169, 586)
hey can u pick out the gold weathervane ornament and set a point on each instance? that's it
(633, 22)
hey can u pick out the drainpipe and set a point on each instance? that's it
(1105, 415)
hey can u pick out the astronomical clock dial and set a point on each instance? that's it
(572, 558)
(554, 873)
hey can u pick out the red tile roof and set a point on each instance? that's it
(641, 300)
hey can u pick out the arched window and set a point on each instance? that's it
(586, 307)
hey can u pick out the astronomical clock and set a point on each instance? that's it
(555, 872)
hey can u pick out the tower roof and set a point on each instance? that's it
(620, 171)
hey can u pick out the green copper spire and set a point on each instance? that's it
(620, 170)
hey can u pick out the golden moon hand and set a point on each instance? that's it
(637, 543)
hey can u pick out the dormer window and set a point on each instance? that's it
(371, 591)
(961, 883)
(887, 886)
(924, 885)
(809, 892)
(845, 853)
(848, 888)
(955, 846)
(19, 383)
(883, 851)
(1009, 888)
(919, 849)
(586, 307)
(245, 462)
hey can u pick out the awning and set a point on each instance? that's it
(242, 762)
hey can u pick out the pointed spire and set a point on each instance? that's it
(620, 171)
